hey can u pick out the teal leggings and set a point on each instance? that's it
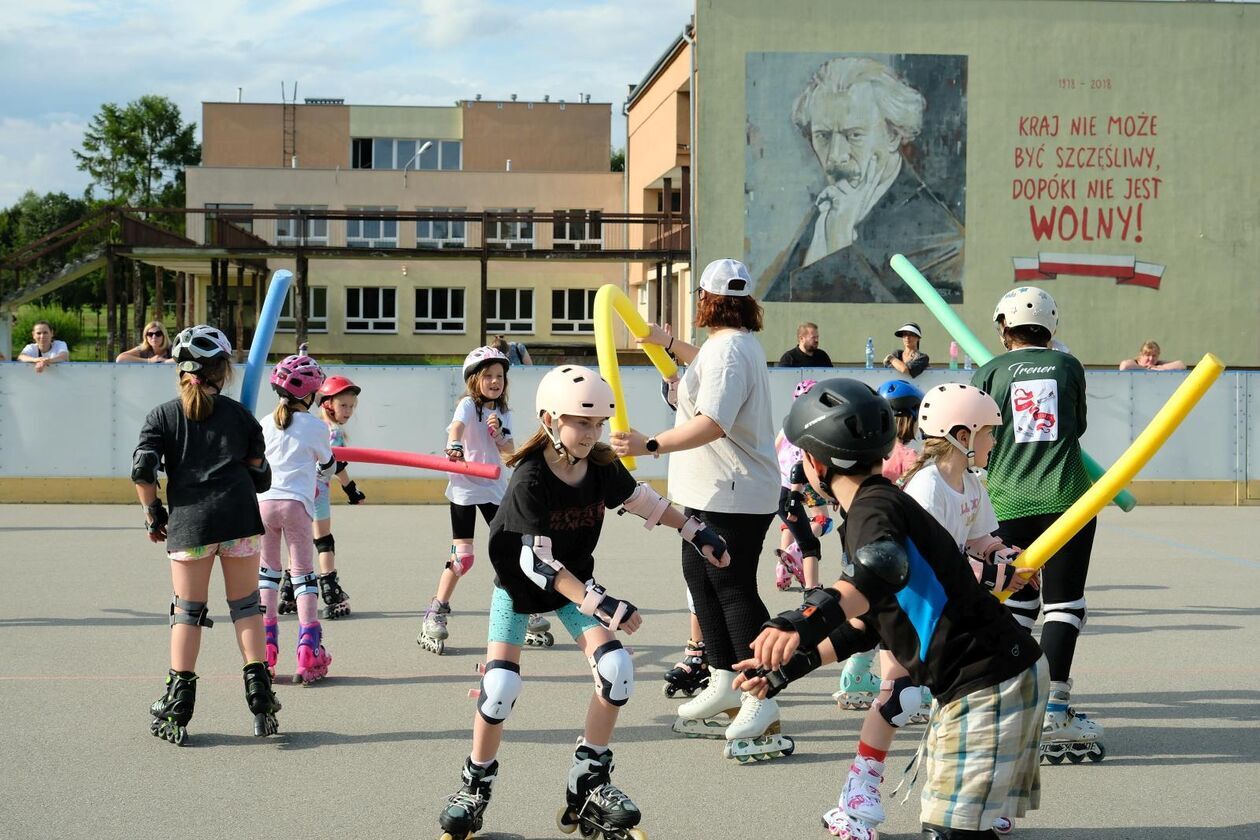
(508, 626)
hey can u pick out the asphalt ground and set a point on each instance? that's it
(1167, 663)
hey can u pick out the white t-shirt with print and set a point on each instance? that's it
(58, 346)
(480, 447)
(295, 455)
(727, 382)
(965, 515)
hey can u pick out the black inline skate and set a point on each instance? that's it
(172, 711)
(596, 807)
(466, 808)
(336, 600)
(288, 601)
(691, 674)
(261, 699)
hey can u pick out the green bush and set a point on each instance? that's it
(65, 326)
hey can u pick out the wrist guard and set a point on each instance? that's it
(155, 523)
(801, 663)
(455, 450)
(261, 476)
(700, 535)
(818, 617)
(352, 493)
(610, 611)
(792, 508)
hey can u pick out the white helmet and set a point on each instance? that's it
(1025, 306)
(482, 356)
(946, 407)
(574, 390)
(199, 344)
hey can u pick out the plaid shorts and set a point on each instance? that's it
(243, 547)
(982, 753)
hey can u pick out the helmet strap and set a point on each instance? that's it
(560, 448)
(970, 453)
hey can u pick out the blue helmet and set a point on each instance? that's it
(902, 396)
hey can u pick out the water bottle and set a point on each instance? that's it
(953, 355)
(966, 363)
(870, 353)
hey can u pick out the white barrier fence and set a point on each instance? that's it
(82, 419)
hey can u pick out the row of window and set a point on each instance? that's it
(395, 153)
(373, 309)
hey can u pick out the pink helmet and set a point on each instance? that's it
(948, 406)
(803, 387)
(482, 356)
(297, 377)
(574, 390)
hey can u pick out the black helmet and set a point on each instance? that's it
(843, 423)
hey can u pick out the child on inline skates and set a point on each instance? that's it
(1035, 474)
(480, 431)
(338, 398)
(858, 686)
(298, 451)
(957, 423)
(211, 449)
(916, 594)
(802, 511)
(541, 542)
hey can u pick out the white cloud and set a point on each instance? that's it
(36, 154)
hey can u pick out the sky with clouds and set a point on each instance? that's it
(62, 59)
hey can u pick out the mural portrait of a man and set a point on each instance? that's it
(863, 123)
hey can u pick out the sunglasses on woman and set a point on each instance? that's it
(152, 334)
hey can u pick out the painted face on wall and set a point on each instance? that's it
(850, 136)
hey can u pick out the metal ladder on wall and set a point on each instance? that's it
(290, 127)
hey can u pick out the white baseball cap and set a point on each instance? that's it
(726, 277)
(909, 327)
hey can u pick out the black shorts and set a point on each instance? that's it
(464, 518)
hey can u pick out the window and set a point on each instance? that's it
(440, 233)
(573, 310)
(288, 228)
(316, 310)
(439, 311)
(577, 229)
(505, 234)
(510, 311)
(371, 310)
(451, 155)
(361, 153)
(394, 153)
(371, 233)
(675, 201)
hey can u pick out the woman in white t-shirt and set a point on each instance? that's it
(725, 473)
(480, 431)
(298, 450)
(44, 350)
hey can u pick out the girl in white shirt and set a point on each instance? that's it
(298, 450)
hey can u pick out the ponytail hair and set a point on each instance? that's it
(288, 406)
(934, 449)
(197, 404)
(907, 425)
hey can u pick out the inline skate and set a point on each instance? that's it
(790, 565)
(261, 699)
(538, 632)
(433, 632)
(272, 631)
(691, 674)
(336, 600)
(754, 734)
(595, 807)
(312, 658)
(1066, 733)
(288, 601)
(858, 686)
(699, 716)
(172, 711)
(861, 809)
(466, 808)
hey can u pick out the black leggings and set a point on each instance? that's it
(802, 528)
(464, 518)
(1062, 589)
(728, 607)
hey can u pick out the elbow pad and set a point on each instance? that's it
(145, 464)
(327, 470)
(878, 569)
(647, 503)
(815, 620)
(801, 663)
(341, 466)
(538, 564)
(261, 476)
(796, 475)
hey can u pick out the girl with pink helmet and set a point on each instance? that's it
(298, 451)
(802, 511)
(541, 546)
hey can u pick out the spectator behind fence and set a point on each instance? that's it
(908, 359)
(154, 346)
(1148, 359)
(517, 353)
(806, 353)
(44, 350)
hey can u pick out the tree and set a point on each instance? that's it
(138, 152)
(617, 160)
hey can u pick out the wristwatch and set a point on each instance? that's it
(653, 446)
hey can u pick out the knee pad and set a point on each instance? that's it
(1025, 609)
(1069, 612)
(326, 543)
(614, 672)
(269, 578)
(306, 584)
(936, 832)
(825, 522)
(250, 605)
(904, 701)
(500, 686)
(691, 602)
(461, 560)
(194, 613)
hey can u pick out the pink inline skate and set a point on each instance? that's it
(272, 629)
(312, 659)
(790, 566)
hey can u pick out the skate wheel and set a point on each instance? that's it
(637, 834)
(154, 727)
(791, 747)
(181, 736)
(1075, 758)
(1099, 753)
(1056, 758)
(564, 822)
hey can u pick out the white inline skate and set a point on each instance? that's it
(861, 808)
(754, 734)
(538, 632)
(699, 716)
(433, 632)
(1066, 732)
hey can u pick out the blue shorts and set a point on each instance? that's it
(509, 626)
(323, 504)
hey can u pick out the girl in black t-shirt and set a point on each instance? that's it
(541, 544)
(211, 449)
